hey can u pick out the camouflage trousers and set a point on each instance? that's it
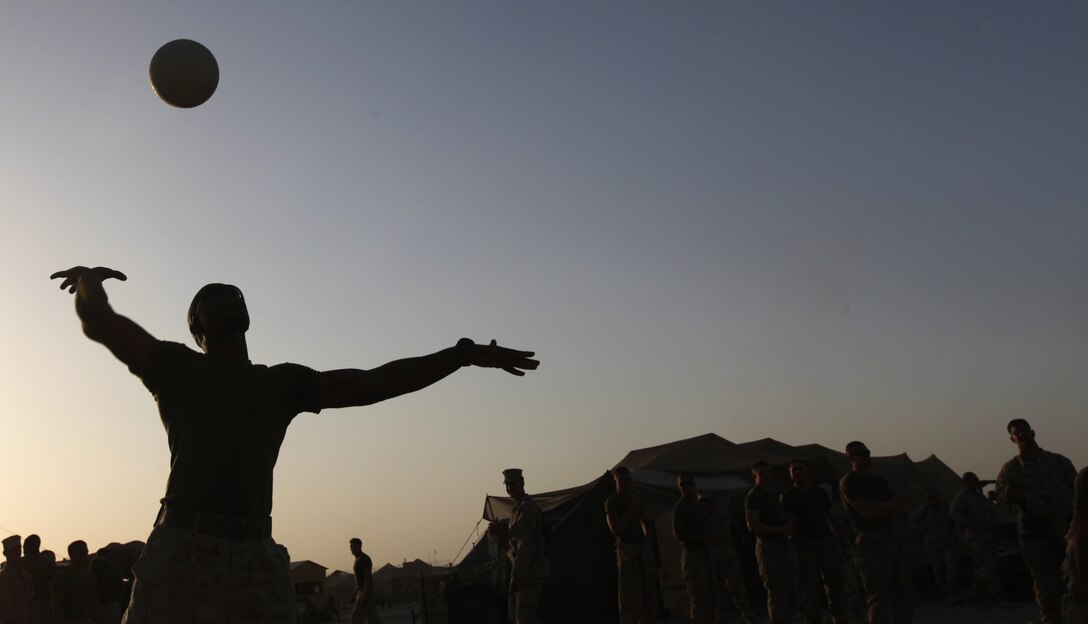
(942, 562)
(698, 573)
(525, 604)
(729, 582)
(984, 561)
(637, 595)
(884, 565)
(184, 577)
(364, 612)
(822, 579)
(1044, 560)
(778, 569)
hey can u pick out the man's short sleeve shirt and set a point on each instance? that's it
(617, 505)
(809, 506)
(689, 517)
(769, 506)
(856, 486)
(225, 422)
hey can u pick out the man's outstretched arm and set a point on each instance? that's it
(129, 342)
(352, 387)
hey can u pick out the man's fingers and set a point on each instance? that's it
(58, 274)
(513, 371)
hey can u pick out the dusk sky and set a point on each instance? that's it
(808, 221)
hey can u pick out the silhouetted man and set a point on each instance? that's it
(42, 567)
(1075, 607)
(728, 574)
(1039, 485)
(973, 514)
(523, 540)
(75, 599)
(211, 557)
(691, 526)
(634, 557)
(109, 587)
(932, 519)
(775, 553)
(818, 555)
(365, 610)
(880, 546)
(15, 587)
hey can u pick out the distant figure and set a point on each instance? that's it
(634, 556)
(365, 610)
(880, 547)
(691, 526)
(775, 553)
(75, 599)
(818, 555)
(211, 557)
(1075, 607)
(728, 575)
(973, 514)
(16, 593)
(932, 520)
(41, 566)
(523, 539)
(1039, 485)
(109, 587)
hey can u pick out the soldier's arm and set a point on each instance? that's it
(618, 524)
(126, 340)
(758, 528)
(351, 387)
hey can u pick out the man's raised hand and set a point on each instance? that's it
(72, 275)
(510, 360)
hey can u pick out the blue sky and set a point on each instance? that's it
(814, 222)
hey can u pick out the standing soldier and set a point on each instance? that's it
(634, 556)
(728, 574)
(42, 567)
(880, 546)
(973, 514)
(15, 587)
(933, 521)
(819, 558)
(364, 610)
(1039, 485)
(524, 539)
(1075, 608)
(774, 552)
(691, 526)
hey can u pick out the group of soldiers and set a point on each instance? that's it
(34, 589)
(841, 561)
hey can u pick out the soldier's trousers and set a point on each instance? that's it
(525, 604)
(1044, 560)
(184, 577)
(698, 573)
(778, 569)
(819, 564)
(637, 594)
(984, 561)
(884, 566)
(364, 613)
(729, 581)
(941, 558)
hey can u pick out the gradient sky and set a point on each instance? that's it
(809, 221)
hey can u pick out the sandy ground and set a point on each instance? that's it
(925, 613)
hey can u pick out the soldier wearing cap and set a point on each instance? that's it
(691, 526)
(933, 521)
(524, 542)
(880, 545)
(1039, 485)
(775, 552)
(973, 514)
(15, 585)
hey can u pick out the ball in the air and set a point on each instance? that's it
(184, 73)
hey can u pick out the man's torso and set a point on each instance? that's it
(769, 506)
(617, 506)
(810, 507)
(865, 486)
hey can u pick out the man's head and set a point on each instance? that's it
(971, 481)
(356, 546)
(761, 472)
(12, 547)
(622, 476)
(858, 455)
(798, 472)
(78, 554)
(514, 482)
(686, 482)
(217, 308)
(31, 545)
(1020, 433)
